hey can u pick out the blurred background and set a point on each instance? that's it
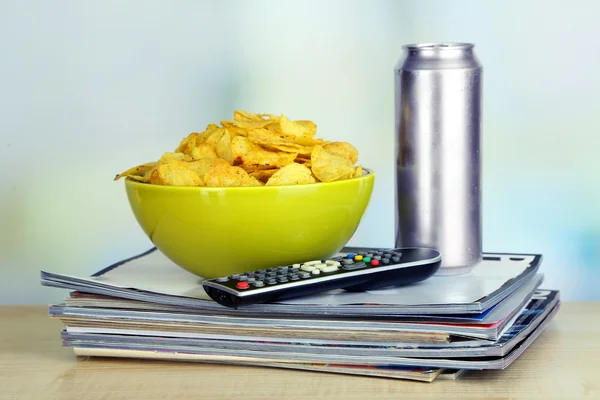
(88, 89)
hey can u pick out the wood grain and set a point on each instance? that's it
(563, 363)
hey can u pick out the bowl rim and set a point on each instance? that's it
(368, 173)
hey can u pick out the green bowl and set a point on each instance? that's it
(213, 232)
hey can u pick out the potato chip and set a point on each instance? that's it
(358, 172)
(202, 166)
(342, 149)
(223, 147)
(227, 175)
(251, 124)
(137, 172)
(328, 167)
(145, 178)
(247, 153)
(277, 141)
(293, 128)
(309, 126)
(237, 131)
(175, 173)
(291, 148)
(263, 175)
(265, 136)
(240, 115)
(203, 151)
(253, 168)
(303, 140)
(200, 138)
(212, 138)
(309, 141)
(303, 161)
(185, 142)
(168, 156)
(292, 174)
(280, 141)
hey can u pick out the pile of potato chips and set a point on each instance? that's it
(252, 150)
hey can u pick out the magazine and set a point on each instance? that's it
(541, 304)
(489, 327)
(152, 277)
(423, 374)
(218, 354)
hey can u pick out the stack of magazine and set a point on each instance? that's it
(146, 307)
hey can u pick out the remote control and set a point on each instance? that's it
(363, 270)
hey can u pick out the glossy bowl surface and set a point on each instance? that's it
(213, 232)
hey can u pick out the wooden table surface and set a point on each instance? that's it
(563, 363)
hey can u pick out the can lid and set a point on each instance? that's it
(439, 46)
(431, 55)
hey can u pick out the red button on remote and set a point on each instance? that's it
(242, 285)
(374, 263)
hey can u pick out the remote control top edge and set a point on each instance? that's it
(326, 278)
(391, 267)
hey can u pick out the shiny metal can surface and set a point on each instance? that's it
(438, 129)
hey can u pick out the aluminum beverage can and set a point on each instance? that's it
(437, 145)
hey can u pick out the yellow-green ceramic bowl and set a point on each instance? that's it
(213, 232)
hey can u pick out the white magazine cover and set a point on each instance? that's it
(152, 277)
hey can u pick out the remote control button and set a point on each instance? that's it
(355, 266)
(270, 269)
(329, 268)
(250, 280)
(370, 255)
(271, 281)
(294, 278)
(312, 262)
(282, 279)
(234, 276)
(332, 262)
(307, 268)
(260, 271)
(385, 260)
(374, 263)
(320, 266)
(376, 257)
(367, 259)
(222, 279)
(242, 285)
(258, 284)
(358, 257)
(348, 261)
(296, 266)
(315, 271)
(351, 256)
(387, 255)
(396, 259)
(242, 278)
(303, 275)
